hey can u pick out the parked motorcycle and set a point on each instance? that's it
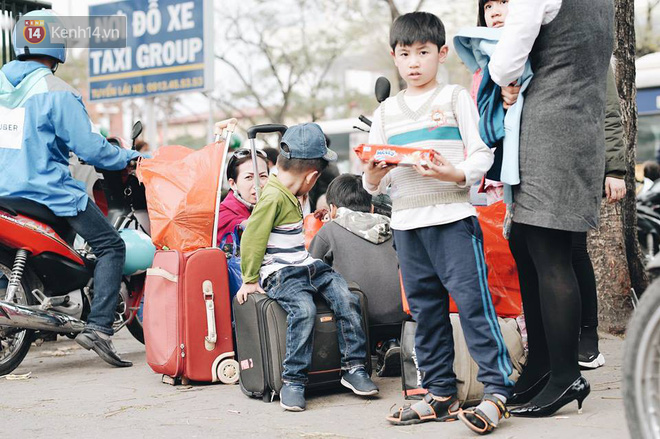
(648, 221)
(641, 362)
(46, 284)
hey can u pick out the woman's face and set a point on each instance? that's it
(495, 12)
(244, 184)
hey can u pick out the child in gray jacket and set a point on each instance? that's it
(358, 245)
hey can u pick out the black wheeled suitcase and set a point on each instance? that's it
(261, 345)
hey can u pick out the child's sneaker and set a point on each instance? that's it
(389, 358)
(359, 382)
(292, 397)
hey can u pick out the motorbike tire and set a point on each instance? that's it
(640, 362)
(28, 284)
(135, 328)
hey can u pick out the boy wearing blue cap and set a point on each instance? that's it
(273, 249)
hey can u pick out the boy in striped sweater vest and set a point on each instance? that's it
(273, 249)
(437, 237)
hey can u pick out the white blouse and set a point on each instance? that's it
(523, 24)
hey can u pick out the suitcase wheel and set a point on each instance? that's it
(228, 371)
(172, 381)
(175, 381)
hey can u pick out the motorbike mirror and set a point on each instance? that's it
(136, 131)
(382, 89)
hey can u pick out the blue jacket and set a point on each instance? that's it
(475, 45)
(41, 119)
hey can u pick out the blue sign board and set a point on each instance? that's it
(169, 49)
(648, 100)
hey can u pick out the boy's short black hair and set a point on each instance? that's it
(300, 166)
(347, 191)
(417, 27)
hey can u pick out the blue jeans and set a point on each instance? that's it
(110, 252)
(293, 288)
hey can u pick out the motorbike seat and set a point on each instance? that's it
(38, 212)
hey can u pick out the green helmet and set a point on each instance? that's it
(140, 251)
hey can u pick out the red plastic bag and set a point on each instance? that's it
(181, 185)
(502, 270)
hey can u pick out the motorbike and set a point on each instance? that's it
(641, 362)
(46, 280)
(648, 221)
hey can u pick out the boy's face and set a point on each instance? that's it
(495, 12)
(418, 63)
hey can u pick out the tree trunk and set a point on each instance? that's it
(625, 74)
(608, 255)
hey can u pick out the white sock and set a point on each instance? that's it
(489, 409)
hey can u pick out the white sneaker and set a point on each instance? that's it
(592, 362)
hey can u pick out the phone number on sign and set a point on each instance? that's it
(114, 91)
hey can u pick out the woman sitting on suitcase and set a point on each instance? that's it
(235, 209)
(273, 249)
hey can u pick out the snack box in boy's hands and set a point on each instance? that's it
(393, 154)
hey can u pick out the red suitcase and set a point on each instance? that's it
(187, 317)
(187, 312)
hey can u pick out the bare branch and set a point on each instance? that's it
(248, 84)
(272, 64)
(394, 11)
(232, 109)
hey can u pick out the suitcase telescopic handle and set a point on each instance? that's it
(266, 128)
(229, 125)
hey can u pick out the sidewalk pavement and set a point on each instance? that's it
(71, 393)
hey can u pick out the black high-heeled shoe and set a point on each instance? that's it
(526, 396)
(577, 391)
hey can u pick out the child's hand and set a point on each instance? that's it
(441, 169)
(510, 95)
(374, 172)
(247, 289)
(615, 189)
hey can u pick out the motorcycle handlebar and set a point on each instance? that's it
(365, 120)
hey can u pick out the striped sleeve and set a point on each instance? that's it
(254, 242)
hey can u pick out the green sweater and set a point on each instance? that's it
(615, 148)
(274, 236)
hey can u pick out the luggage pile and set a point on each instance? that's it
(187, 311)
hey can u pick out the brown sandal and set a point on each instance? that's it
(478, 422)
(429, 409)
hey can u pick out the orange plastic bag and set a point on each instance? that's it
(181, 185)
(311, 225)
(502, 270)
